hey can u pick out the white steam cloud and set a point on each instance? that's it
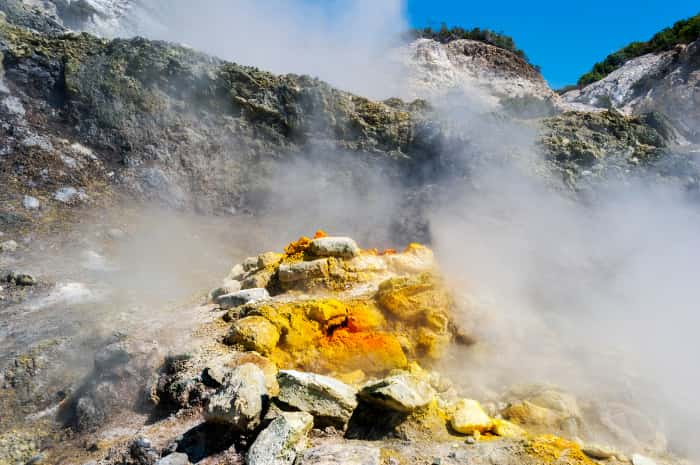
(344, 42)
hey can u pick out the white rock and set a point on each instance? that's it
(31, 203)
(282, 440)
(229, 286)
(243, 297)
(343, 247)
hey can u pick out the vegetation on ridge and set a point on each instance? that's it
(683, 32)
(446, 34)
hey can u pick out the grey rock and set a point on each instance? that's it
(302, 271)
(345, 453)
(241, 401)
(282, 440)
(31, 203)
(8, 246)
(330, 401)
(243, 297)
(343, 247)
(176, 458)
(402, 393)
(229, 286)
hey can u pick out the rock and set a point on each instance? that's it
(269, 259)
(229, 286)
(402, 393)
(21, 279)
(250, 264)
(240, 403)
(598, 452)
(638, 459)
(506, 429)
(282, 440)
(69, 194)
(143, 453)
(236, 299)
(176, 458)
(236, 272)
(468, 417)
(259, 279)
(31, 203)
(8, 246)
(343, 247)
(330, 401)
(254, 333)
(303, 271)
(345, 453)
(87, 415)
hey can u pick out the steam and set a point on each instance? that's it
(599, 298)
(344, 42)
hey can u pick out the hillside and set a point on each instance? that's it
(681, 33)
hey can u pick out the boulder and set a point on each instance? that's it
(176, 458)
(344, 453)
(303, 271)
(229, 286)
(330, 401)
(250, 264)
(282, 440)
(403, 393)
(8, 246)
(342, 247)
(236, 299)
(254, 333)
(239, 403)
(468, 418)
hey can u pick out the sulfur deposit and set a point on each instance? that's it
(329, 307)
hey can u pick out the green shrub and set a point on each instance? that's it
(446, 34)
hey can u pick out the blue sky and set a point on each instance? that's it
(564, 37)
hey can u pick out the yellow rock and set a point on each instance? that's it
(328, 312)
(550, 449)
(468, 417)
(254, 333)
(527, 413)
(506, 429)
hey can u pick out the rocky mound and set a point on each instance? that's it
(323, 353)
(498, 76)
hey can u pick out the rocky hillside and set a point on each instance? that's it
(667, 82)
(475, 68)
